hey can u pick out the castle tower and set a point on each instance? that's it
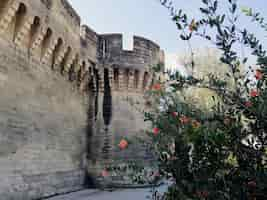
(124, 77)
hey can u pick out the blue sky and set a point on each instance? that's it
(149, 19)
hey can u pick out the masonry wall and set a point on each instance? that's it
(42, 130)
(44, 88)
(66, 96)
(124, 77)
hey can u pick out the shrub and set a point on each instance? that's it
(220, 155)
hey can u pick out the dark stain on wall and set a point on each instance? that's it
(96, 75)
(107, 116)
(107, 102)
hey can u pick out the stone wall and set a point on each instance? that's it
(42, 129)
(45, 66)
(65, 94)
(124, 76)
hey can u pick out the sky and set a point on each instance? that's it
(149, 19)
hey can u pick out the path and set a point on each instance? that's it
(127, 194)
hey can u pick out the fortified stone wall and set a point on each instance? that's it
(44, 74)
(63, 97)
(124, 76)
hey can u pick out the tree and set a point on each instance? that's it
(220, 156)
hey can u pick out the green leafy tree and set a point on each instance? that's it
(223, 155)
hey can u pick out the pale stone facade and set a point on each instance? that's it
(62, 87)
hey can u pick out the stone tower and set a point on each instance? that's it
(123, 78)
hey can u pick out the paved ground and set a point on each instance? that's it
(127, 194)
(138, 194)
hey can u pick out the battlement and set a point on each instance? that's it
(111, 45)
(129, 69)
(50, 32)
(72, 13)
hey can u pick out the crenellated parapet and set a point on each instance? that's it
(130, 69)
(49, 32)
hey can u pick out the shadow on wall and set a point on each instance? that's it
(91, 118)
(107, 116)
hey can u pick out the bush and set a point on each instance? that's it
(220, 155)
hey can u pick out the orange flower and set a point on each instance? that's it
(123, 144)
(196, 124)
(248, 104)
(254, 93)
(192, 26)
(104, 173)
(156, 86)
(156, 131)
(184, 120)
(258, 74)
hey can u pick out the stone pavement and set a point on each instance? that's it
(122, 194)
(127, 194)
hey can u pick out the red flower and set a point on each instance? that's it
(205, 194)
(252, 184)
(184, 120)
(254, 93)
(156, 87)
(174, 114)
(104, 173)
(202, 194)
(156, 131)
(196, 124)
(248, 104)
(173, 158)
(123, 144)
(258, 74)
(157, 174)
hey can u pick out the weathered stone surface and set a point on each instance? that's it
(129, 194)
(124, 77)
(42, 131)
(58, 105)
